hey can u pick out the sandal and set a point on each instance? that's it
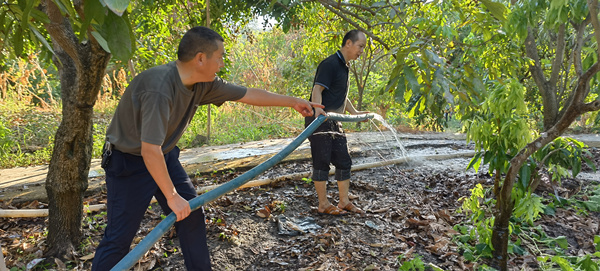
(351, 208)
(332, 210)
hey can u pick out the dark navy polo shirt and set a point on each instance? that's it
(332, 74)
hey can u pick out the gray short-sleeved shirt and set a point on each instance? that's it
(156, 108)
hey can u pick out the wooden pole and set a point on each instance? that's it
(208, 122)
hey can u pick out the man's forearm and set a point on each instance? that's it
(350, 108)
(261, 97)
(155, 163)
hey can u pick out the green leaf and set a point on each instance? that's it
(549, 210)
(412, 79)
(529, 208)
(391, 84)
(497, 9)
(518, 250)
(562, 242)
(563, 263)
(2, 21)
(40, 16)
(483, 249)
(469, 256)
(66, 7)
(93, 10)
(117, 6)
(101, 41)
(587, 263)
(118, 36)
(400, 89)
(17, 40)
(576, 165)
(525, 175)
(43, 40)
(589, 162)
(475, 162)
(433, 56)
(25, 14)
(592, 206)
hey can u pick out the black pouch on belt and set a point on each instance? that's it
(106, 153)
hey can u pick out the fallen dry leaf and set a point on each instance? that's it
(87, 257)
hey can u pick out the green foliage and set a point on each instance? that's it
(415, 264)
(112, 31)
(117, 6)
(587, 262)
(269, 60)
(5, 139)
(28, 135)
(528, 206)
(591, 202)
(477, 240)
(562, 154)
(500, 129)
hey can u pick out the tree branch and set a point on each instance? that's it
(583, 85)
(408, 29)
(355, 25)
(340, 4)
(560, 51)
(580, 40)
(58, 30)
(593, 7)
(345, 11)
(536, 69)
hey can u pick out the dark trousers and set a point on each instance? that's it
(328, 145)
(129, 191)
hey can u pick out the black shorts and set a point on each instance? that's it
(328, 145)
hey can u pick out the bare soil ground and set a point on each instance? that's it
(410, 210)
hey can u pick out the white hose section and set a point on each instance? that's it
(98, 207)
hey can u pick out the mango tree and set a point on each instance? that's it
(81, 39)
(564, 86)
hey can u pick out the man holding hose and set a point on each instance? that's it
(328, 143)
(141, 157)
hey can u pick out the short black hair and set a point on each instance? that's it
(196, 40)
(351, 35)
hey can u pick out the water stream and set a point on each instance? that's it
(403, 153)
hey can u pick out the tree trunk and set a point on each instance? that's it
(81, 67)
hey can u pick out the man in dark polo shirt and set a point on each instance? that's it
(328, 143)
(141, 156)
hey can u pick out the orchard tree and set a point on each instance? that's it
(81, 39)
(561, 41)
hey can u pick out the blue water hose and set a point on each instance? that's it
(136, 253)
